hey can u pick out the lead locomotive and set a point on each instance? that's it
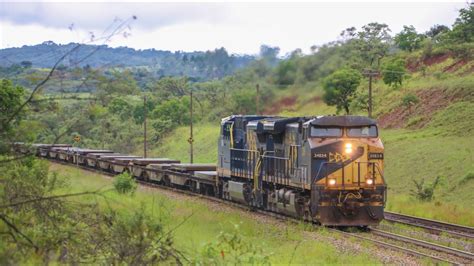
(327, 169)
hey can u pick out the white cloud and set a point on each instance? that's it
(239, 27)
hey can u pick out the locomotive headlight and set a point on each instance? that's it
(348, 148)
(332, 181)
(369, 181)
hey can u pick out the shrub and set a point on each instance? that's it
(410, 100)
(414, 121)
(467, 178)
(125, 184)
(425, 192)
(231, 248)
(393, 72)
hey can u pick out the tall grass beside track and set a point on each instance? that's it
(197, 224)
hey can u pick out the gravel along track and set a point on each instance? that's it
(419, 233)
(387, 252)
(433, 226)
(448, 254)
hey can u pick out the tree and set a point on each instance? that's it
(393, 72)
(463, 28)
(169, 87)
(408, 39)
(26, 64)
(11, 98)
(119, 83)
(244, 101)
(286, 72)
(269, 54)
(373, 42)
(340, 88)
(436, 30)
(175, 110)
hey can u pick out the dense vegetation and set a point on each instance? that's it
(150, 62)
(422, 95)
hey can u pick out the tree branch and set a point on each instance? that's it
(14, 228)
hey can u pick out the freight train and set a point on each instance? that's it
(325, 169)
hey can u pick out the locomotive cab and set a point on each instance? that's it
(348, 186)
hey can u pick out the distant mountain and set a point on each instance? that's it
(199, 65)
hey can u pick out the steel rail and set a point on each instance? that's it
(431, 225)
(400, 248)
(268, 213)
(433, 246)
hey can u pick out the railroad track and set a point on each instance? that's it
(462, 257)
(433, 226)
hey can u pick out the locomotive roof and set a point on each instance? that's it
(244, 117)
(343, 121)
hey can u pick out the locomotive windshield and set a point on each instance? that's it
(362, 132)
(326, 132)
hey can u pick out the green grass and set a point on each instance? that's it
(176, 145)
(202, 223)
(445, 148)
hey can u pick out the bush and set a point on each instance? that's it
(230, 248)
(467, 178)
(393, 72)
(463, 51)
(125, 184)
(425, 192)
(410, 100)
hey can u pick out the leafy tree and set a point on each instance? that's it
(121, 107)
(435, 30)
(260, 67)
(463, 28)
(340, 88)
(285, 72)
(373, 42)
(175, 110)
(244, 101)
(408, 39)
(161, 127)
(169, 87)
(26, 64)
(269, 54)
(11, 98)
(393, 72)
(118, 84)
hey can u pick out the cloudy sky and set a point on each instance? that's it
(239, 27)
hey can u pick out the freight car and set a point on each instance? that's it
(325, 169)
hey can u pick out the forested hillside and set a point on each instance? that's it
(151, 62)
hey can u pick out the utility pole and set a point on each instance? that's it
(144, 126)
(257, 98)
(191, 140)
(370, 73)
